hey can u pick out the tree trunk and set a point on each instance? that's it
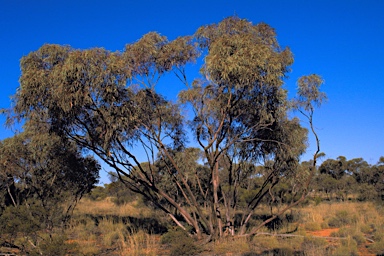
(216, 206)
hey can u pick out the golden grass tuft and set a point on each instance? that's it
(88, 246)
(108, 234)
(365, 219)
(107, 207)
(226, 245)
(312, 226)
(361, 212)
(140, 243)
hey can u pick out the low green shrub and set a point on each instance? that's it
(359, 238)
(312, 226)
(314, 246)
(55, 245)
(228, 244)
(317, 200)
(283, 252)
(350, 233)
(366, 229)
(324, 225)
(377, 247)
(179, 242)
(341, 219)
(97, 194)
(266, 242)
(347, 247)
(342, 232)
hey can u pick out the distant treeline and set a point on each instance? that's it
(336, 180)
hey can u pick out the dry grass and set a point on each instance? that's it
(357, 213)
(325, 211)
(140, 243)
(241, 246)
(361, 213)
(107, 207)
(360, 223)
(88, 246)
(361, 220)
(355, 225)
(110, 234)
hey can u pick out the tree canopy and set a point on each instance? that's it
(107, 103)
(42, 177)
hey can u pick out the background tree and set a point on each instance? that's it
(239, 120)
(378, 178)
(335, 177)
(42, 177)
(335, 168)
(344, 179)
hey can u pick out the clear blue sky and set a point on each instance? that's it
(339, 40)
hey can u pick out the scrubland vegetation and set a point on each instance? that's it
(222, 173)
(103, 225)
(356, 227)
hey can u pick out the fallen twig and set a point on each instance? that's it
(291, 235)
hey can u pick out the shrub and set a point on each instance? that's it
(359, 238)
(226, 245)
(378, 234)
(324, 225)
(366, 228)
(283, 252)
(351, 233)
(342, 232)
(266, 243)
(317, 200)
(275, 224)
(378, 247)
(312, 226)
(98, 193)
(19, 219)
(347, 247)
(88, 247)
(112, 238)
(180, 242)
(314, 246)
(55, 246)
(342, 218)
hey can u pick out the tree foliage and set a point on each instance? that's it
(42, 177)
(345, 179)
(107, 103)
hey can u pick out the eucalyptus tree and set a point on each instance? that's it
(108, 103)
(42, 166)
(355, 177)
(42, 177)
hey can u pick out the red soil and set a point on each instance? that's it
(325, 232)
(362, 250)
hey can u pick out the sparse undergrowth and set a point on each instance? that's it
(102, 228)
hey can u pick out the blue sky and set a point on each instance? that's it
(341, 40)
